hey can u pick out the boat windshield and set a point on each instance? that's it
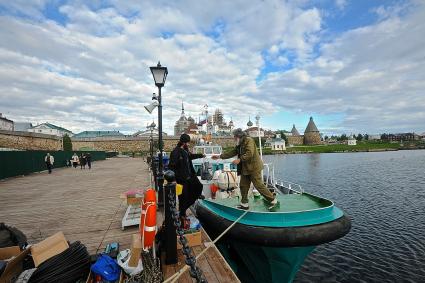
(208, 150)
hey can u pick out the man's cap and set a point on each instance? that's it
(185, 138)
(239, 133)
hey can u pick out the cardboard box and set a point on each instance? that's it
(14, 265)
(48, 248)
(132, 200)
(136, 250)
(193, 239)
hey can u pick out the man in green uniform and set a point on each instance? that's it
(249, 166)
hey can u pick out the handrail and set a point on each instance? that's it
(297, 188)
(269, 178)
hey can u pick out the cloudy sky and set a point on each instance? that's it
(355, 66)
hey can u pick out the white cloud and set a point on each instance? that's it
(93, 72)
(374, 75)
(341, 4)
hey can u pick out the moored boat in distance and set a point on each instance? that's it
(264, 245)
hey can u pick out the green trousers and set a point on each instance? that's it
(256, 179)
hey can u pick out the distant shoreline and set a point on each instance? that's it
(340, 148)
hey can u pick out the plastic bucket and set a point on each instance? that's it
(214, 188)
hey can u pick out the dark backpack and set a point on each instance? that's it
(11, 236)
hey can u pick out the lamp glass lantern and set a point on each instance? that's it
(159, 74)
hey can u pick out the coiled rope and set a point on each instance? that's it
(66, 267)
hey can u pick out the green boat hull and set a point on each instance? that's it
(270, 246)
(264, 264)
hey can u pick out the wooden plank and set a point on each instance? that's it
(84, 204)
(205, 265)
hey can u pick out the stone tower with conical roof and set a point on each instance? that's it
(311, 134)
(294, 131)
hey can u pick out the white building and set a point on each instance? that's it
(351, 141)
(6, 124)
(50, 129)
(277, 143)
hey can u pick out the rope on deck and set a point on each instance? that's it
(177, 275)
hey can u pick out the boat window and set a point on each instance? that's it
(208, 150)
(199, 150)
(217, 150)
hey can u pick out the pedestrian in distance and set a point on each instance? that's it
(249, 165)
(82, 161)
(88, 160)
(75, 160)
(181, 163)
(49, 160)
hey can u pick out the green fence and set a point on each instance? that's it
(15, 163)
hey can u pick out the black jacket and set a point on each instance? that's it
(181, 164)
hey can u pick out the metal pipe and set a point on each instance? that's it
(160, 147)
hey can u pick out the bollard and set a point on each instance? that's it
(170, 229)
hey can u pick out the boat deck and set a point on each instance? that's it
(86, 206)
(287, 203)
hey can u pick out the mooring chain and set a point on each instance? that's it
(195, 271)
(151, 272)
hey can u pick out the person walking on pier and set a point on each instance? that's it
(181, 163)
(49, 159)
(82, 161)
(88, 160)
(249, 166)
(74, 160)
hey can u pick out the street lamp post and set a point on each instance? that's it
(159, 74)
(151, 127)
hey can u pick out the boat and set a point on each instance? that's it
(265, 246)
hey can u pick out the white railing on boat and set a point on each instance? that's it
(269, 178)
(297, 188)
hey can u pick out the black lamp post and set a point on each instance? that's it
(159, 74)
(151, 127)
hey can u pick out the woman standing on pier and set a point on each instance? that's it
(181, 163)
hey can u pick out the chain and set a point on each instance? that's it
(151, 272)
(195, 271)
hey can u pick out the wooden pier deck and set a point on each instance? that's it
(212, 263)
(86, 206)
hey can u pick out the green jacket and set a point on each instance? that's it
(248, 154)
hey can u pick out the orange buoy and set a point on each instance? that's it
(149, 196)
(147, 217)
(149, 225)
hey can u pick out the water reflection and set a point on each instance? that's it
(384, 194)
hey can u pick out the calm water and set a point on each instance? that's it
(384, 195)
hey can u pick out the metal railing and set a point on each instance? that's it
(269, 179)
